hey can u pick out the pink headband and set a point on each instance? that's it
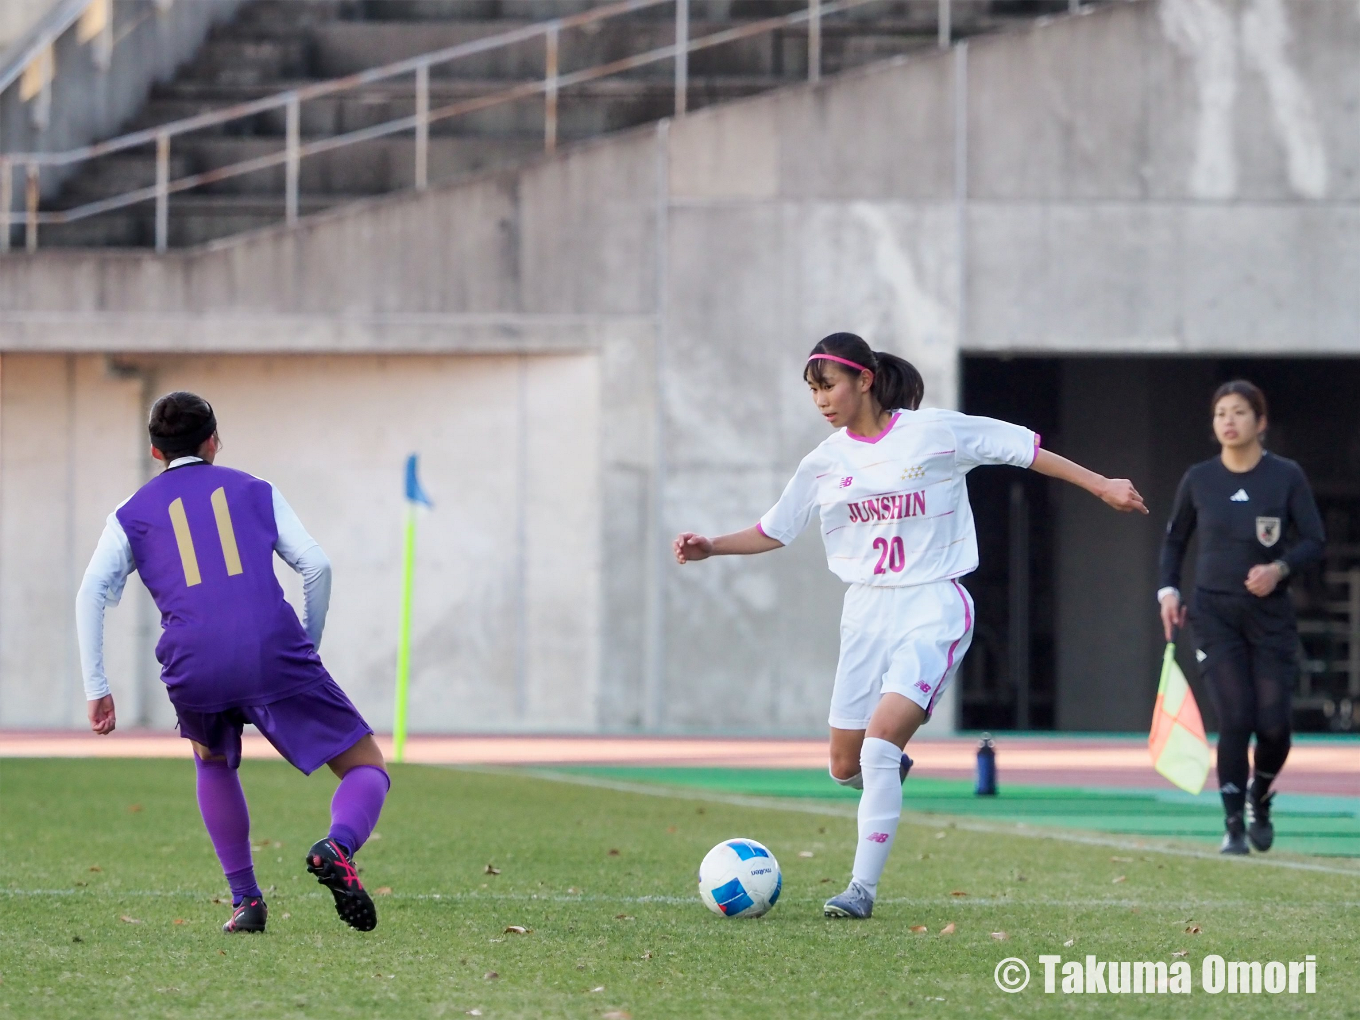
(831, 357)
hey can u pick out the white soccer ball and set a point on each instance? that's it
(739, 878)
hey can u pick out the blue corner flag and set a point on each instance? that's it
(414, 492)
(415, 496)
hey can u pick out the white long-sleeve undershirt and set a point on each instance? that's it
(112, 562)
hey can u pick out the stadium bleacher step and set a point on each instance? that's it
(274, 45)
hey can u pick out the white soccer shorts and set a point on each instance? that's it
(906, 641)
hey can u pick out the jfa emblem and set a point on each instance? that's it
(1267, 530)
(845, 482)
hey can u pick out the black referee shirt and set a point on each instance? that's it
(1243, 520)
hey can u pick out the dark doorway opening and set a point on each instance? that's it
(1067, 636)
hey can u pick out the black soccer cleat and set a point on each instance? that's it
(248, 915)
(1259, 830)
(331, 864)
(1235, 838)
(904, 769)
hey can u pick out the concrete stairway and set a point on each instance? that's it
(273, 45)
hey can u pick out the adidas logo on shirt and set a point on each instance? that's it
(1240, 496)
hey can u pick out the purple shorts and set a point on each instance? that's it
(308, 729)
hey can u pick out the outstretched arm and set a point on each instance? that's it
(300, 551)
(690, 547)
(1117, 492)
(102, 586)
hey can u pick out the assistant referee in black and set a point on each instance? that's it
(1258, 524)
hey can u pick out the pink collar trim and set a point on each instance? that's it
(886, 429)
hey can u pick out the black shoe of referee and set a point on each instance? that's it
(1259, 830)
(1235, 839)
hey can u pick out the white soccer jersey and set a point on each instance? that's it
(894, 509)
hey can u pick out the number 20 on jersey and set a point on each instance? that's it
(891, 556)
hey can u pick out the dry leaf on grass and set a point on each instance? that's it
(1194, 929)
(517, 929)
(957, 892)
(180, 920)
(129, 920)
(919, 929)
(1118, 878)
(134, 809)
(823, 881)
(623, 917)
(219, 900)
(1069, 943)
(383, 890)
(221, 952)
(491, 869)
(1181, 952)
(1121, 860)
(647, 955)
(613, 852)
(95, 867)
(1000, 936)
(490, 975)
(804, 853)
(617, 1014)
(948, 929)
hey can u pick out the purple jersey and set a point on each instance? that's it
(203, 539)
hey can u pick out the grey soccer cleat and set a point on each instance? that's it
(854, 902)
(1235, 838)
(1260, 831)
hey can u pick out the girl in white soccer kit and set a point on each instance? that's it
(889, 486)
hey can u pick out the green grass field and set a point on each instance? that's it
(108, 886)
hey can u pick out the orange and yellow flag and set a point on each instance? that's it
(1179, 749)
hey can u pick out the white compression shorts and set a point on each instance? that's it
(906, 641)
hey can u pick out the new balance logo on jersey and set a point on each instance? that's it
(845, 482)
(888, 508)
(1240, 496)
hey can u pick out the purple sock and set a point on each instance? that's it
(356, 805)
(223, 805)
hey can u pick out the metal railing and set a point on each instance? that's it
(295, 150)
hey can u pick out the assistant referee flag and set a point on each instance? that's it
(1179, 749)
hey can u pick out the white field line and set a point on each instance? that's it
(917, 819)
(1180, 905)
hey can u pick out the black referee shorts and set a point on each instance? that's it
(1248, 655)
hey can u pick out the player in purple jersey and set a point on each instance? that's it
(233, 651)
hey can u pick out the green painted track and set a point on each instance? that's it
(1306, 824)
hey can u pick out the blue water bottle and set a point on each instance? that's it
(986, 767)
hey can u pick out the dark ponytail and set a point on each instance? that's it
(180, 423)
(896, 384)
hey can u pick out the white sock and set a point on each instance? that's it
(855, 782)
(880, 809)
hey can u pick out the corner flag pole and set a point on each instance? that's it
(415, 496)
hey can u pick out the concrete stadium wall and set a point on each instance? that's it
(509, 452)
(1153, 177)
(18, 16)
